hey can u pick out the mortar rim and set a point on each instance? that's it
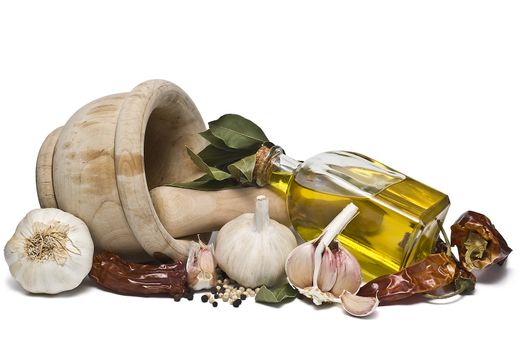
(131, 179)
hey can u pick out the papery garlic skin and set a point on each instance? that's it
(299, 266)
(201, 267)
(252, 249)
(325, 271)
(328, 271)
(50, 252)
(331, 267)
(348, 269)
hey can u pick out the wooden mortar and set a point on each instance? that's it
(102, 164)
(95, 166)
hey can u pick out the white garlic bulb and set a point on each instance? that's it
(252, 249)
(328, 272)
(50, 252)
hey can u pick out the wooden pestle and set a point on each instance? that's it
(184, 212)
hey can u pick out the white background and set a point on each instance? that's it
(433, 89)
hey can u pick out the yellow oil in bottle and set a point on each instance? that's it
(396, 224)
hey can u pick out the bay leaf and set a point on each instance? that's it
(243, 168)
(213, 172)
(237, 132)
(207, 183)
(213, 140)
(217, 157)
(276, 295)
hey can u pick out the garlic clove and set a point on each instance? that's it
(349, 272)
(308, 256)
(299, 266)
(328, 273)
(201, 267)
(207, 261)
(358, 306)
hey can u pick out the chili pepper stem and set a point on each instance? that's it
(445, 237)
(446, 295)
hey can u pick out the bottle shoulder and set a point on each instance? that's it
(346, 173)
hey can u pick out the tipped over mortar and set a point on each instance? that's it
(101, 165)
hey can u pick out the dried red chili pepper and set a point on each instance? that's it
(433, 272)
(464, 281)
(479, 243)
(119, 276)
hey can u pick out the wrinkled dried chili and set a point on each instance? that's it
(433, 272)
(479, 243)
(119, 276)
(464, 281)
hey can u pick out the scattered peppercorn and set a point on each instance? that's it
(236, 303)
(205, 298)
(213, 290)
(243, 297)
(215, 304)
(216, 296)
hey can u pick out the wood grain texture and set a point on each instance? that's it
(204, 211)
(107, 157)
(44, 171)
(152, 102)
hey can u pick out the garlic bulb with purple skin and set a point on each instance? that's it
(325, 271)
(201, 266)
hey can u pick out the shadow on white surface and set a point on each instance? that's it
(494, 274)
(86, 285)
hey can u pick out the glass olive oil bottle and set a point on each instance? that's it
(397, 222)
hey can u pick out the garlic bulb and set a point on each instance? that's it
(325, 271)
(50, 252)
(252, 249)
(201, 266)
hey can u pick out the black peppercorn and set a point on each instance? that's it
(243, 297)
(236, 303)
(215, 304)
(205, 298)
(214, 290)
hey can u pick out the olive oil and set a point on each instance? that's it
(397, 220)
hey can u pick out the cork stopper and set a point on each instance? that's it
(264, 158)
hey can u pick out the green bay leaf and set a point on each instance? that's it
(207, 183)
(243, 168)
(217, 157)
(213, 140)
(237, 132)
(276, 295)
(213, 172)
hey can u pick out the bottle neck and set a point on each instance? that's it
(274, 167)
